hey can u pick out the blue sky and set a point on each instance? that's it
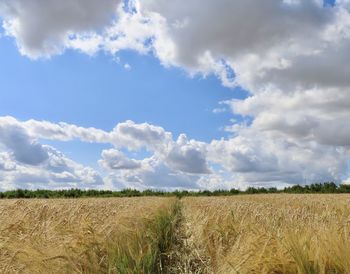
(97, 91)
(156, 95)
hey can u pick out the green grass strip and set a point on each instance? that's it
(147, 251)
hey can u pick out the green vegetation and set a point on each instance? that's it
(78, 193)
(146, 252)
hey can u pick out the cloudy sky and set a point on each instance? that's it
(195, 94)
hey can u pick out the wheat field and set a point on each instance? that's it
(74, 236)
(277, 233)
(271, 233)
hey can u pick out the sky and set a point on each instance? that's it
(156, 94)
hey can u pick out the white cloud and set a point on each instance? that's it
(184, 155)
(24, 149)
(5, 162)
(135, 136)
(25, 163)
(153, 174)
(291, 56)
(254, 156)
(262, 159)
(114, 159)
(127, 66)
(219, 110)
(311, 115)
(174, 163)
(56, 173)
(43, 28)
(187, 156)
(60, 131)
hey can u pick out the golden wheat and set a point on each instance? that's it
(240, 234)
(271, 233)
(66, 236)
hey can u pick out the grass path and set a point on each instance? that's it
(147, 252)
(184, 257)
(170, 248)
(251, 235)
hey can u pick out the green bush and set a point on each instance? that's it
(328, 187)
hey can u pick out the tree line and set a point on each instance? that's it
(328, 187)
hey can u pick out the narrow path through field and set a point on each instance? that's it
(184, 258)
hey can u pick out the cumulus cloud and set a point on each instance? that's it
(59, 132)
(56, 173)
(187, 156)
(24, 149)
(262, 159)
(43, 28)
(153, 174)
(314, 114)
(5, 162)
(115, 159)
(174, 162)
(231, 34)
(135, 136)
(291, 56)
(240, 161)
(184, 155)
(25, 163)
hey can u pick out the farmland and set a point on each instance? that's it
(81, 236)
(265, 233)
(272, 233)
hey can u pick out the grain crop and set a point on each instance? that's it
(265, 234)
(79, 235)
(271, 233)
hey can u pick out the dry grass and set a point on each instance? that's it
(240, 234)
(80, 236)
(272, 233)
